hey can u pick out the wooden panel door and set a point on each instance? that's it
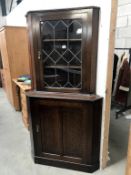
(66, 133)
(78, 133)
(46, 127)
(62, 130)
(72, 132)
(50, 131)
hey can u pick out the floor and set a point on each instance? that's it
(15, 154)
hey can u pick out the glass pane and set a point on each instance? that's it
(61, 46)
(47, 30)
(75, 29)
(61, 30)
(75, 47)
(61, 53)
(74, 77)
(68, 56)
(48, 47)
(50, 76)
(62, 62)
(55, 55)
(75, 62)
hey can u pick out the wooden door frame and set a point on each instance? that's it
(106, 116)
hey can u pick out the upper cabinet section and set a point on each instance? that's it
(63, 45)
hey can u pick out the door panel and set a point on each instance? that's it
(65, 131)
(72, 132)
(50, 130)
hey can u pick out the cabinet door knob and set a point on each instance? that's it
(39, 54)
(37, 128)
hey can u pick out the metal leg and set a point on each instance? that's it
(122, 110)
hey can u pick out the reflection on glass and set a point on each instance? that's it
(75, 29)
(61, 46)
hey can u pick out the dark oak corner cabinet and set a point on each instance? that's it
(65, 113)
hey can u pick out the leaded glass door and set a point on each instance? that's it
(64, 50)
(61, 45)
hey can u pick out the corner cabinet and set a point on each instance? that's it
(65, 112)
(64, 49)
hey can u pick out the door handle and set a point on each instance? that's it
(39, 55)
(37, 128)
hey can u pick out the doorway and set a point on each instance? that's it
(116, 130)
(120, 77)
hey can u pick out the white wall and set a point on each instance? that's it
(123, 30)
(17, 17)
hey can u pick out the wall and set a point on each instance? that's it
(2, 18)
(17, 17)
(123, 30)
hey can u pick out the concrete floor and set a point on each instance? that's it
(15, 156)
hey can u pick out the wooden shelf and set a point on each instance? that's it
(50, 40)
(66, 69)
(62, 95)
(52, 76)
(63, 67)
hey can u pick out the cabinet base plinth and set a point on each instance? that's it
(68, 165)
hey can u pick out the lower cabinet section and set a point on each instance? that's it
(66, 132)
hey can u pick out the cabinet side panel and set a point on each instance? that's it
(97, 113)
(94, 48)
(18, 56)
(18, 51)
(90, 40)
(6, 67)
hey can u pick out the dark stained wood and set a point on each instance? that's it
(65, 123)
(51, 140)
(89, 54)
(60, 95)
(90, 18)
(66, 164)
(72, 132)
(66, 130)
(94, 48)
(82, 9)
